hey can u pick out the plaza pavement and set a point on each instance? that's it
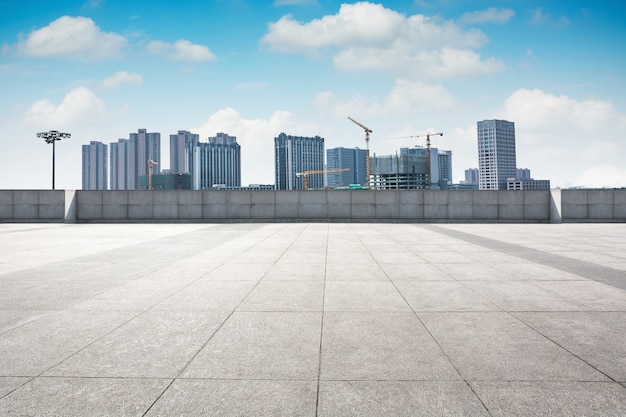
(313, 319)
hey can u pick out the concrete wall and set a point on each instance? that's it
(323, 206)
(32, 206)
(593, 205)
(332, 206)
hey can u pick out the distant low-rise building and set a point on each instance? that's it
(527, 184)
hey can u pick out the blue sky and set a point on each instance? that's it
(100, 69)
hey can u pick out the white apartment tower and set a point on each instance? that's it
(496, 154)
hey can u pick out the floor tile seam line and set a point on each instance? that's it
(537, 256)
(31, 379)
(535, 284)
(152, 307)
(478, 397)
(427, 262)
(564, 348)
(158, 398)
(319, 365)
(235, 309)
(90, 344)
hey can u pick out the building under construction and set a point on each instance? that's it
(399, 172)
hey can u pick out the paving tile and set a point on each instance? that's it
(296, 272)
(363, 296)
(362, 257)
(443, 296)
(594, 294)
(497, 347)
(239, 272)
(399, 257)
(589, 399)
(157, 344)
(237, 398)
(524, 296)
(10, 383)
(276, 295)
(389, 346)
(34, 347)
(597, 338)
(82, 397)
(348, 271)
(536, 272)
(206, 294)
(262, 345)
(398, 398)
(419, 271)
(303, 256)
(475, 272)
(10, 319)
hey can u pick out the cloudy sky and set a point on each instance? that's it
(100, 69)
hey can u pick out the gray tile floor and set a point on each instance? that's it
(313, 319)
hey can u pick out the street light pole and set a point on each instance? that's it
(51, 137)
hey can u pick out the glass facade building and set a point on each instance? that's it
(95, 166)
(179, 143)
(353, 159)
(298, 154)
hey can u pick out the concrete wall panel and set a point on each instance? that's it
(343, 205)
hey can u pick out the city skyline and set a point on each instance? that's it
(96, 68)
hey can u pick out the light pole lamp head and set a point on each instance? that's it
(53, 135)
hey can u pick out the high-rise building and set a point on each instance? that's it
(298, 154)
(353, 159)
(471, 176)
(147, 148)
(179, 143)
(216, 163)
(95, 166)
(445, 168)
(496, 154)
(129, 159)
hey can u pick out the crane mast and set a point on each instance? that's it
(427, 135)
(367, 149)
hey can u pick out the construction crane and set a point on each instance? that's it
(427, 135)
(150, 164)
(305, 174)
(367, 149)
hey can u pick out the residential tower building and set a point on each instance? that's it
(95, 167)
(496, 154)
(353, 159)
(296, 155)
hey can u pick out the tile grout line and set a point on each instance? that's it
(319, 367)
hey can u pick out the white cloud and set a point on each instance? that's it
(120, 78)
(490, 15)
(603, 176)
(537, 110)
(368, 36)
(72, 36)
(80, 107)
(404, 98)
(538, 17)
(181, 50)
(557, 137)
(256, 137)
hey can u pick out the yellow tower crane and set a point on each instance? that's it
(367, 149)
(150, 163)
(305, 174)
(427, 135)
